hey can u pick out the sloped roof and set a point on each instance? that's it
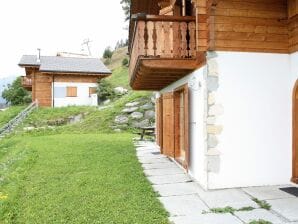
(65, 64)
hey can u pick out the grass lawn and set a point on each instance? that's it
(77, 178)
(10, 113)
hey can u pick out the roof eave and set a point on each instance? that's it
(77, 73)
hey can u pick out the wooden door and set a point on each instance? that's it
(181, 102)
(168, 134)
(159, 119)
(295, 134)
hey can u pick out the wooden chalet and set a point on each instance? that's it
(62, 81)
(225, 71)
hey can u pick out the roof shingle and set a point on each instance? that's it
(65, 64)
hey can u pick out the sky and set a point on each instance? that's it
(56, 26)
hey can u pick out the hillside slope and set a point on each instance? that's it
(120, 73)
(101, 119)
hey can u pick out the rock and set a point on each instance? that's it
(132, 104)
(120, 90)
(212, 141)
(121, 119)
(117, 130)
(136, 115)
(75, 119)
(216, 110)
(29, 128)
(149, 114)
(212, 83)
(57, 122)
(147, 106)
(143, 123)
(153, 99)
(106, 102)
(130, 109)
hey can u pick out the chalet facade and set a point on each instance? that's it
(57, 81)
(226, 72)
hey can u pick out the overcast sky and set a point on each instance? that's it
(56, 25)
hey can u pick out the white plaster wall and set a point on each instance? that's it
(197, 128)
(82, 98)
(255, 90)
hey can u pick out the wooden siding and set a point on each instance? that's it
(42, 89)
(76, 78)
(293, 34)
(159, 128)
(42, 84)
(250, 25)
(168, 146)
(71, 91)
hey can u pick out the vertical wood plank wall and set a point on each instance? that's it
(42, 89)
(168, 145)
(159, 120)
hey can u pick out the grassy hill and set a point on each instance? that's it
(83, 172)
(120, 73)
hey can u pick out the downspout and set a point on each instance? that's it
(53, 90)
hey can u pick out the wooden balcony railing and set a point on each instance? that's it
(26, 82)
(164, 37)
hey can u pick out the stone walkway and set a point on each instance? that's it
(188, 203)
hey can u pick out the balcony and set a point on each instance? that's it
(162, 50)
(26, 82)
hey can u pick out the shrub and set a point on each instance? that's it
(125, 62)
(108, 53)
(105, 90)
(16, 94)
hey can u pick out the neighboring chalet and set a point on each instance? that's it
(57, 81)
(226, 72)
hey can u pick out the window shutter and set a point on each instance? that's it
(186, 123)
(72, 91)
(168, 134)
(92, 90)
(159, 122)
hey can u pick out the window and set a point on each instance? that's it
(60, 92)
(92, 90)
(72, 91)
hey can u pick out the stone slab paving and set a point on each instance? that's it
(158, 166)
(169, 179)
(153, 160)
(177, 189)
(287, 207)
(185, 200)
(235, 198)
(248, 216)
(206, 219)
(164, 171)
(184, 205)
(268, 192)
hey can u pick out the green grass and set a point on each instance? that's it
(260, 221)
(10, 113)
(77, 178)
(96, 121)
(120, 77)
(228, 209)
(262, 204)
(41, 116)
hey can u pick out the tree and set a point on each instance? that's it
(105, 90)
(16, 94)
(108, 53)
(126, 8)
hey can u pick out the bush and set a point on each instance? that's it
(16, 94)
(125, 62)
(105, 90)
(108, 53)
